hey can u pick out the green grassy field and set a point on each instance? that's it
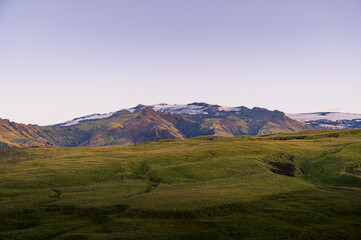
(303, 185)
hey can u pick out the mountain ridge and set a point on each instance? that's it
(158, 122)
(190, 109)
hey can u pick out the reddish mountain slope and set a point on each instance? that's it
(21, 135)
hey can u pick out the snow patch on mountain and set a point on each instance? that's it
(191, 109)
(335, 127)
(329, 120)
(331, 116)
(228, 109)
(86, 118)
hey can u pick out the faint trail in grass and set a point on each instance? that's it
(57, 195)
(144, 172)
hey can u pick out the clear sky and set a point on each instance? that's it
(62, 59)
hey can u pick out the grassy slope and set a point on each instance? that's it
(201, 188)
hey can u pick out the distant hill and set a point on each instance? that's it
(21, 135)
(156, 122)
(329, 120)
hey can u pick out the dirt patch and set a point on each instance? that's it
(287, 169)
(281, 163)
(354, 170)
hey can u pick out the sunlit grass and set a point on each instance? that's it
(206, 187)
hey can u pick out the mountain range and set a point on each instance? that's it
(329, 120)
(151, 123)
(163, 121)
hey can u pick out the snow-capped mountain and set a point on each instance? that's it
(325, 120)
(329, 120)
(152, 123)
(189, 109)
(95, 116)
(194, 108)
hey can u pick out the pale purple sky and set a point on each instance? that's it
(62, 59)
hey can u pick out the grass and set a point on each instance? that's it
(202, 188)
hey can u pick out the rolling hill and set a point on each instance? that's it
(297, 185)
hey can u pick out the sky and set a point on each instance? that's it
(63, 59)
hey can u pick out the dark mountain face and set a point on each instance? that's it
(153, 123)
